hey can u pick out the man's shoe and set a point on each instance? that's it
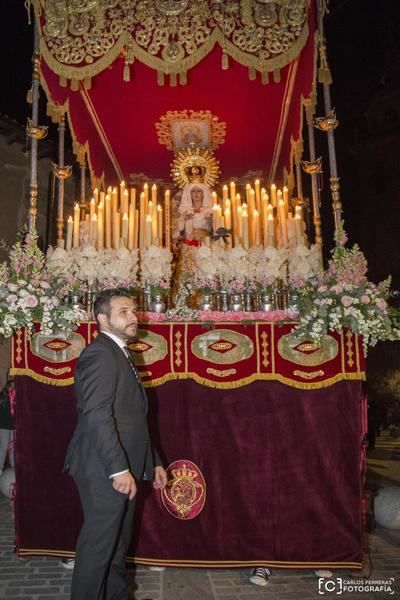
(68, 563)
(325, 573)
(260, 576)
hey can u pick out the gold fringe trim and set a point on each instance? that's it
(316, 385)
(42, 378)
(217, 36)
(209, 564)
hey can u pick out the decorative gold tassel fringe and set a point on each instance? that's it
(225, 61)
(264, 77)
(183, 77)
(277, 75)
(252, 73)
(160, 77)
(127, 73)
(172, 79)
(87, 83)
(74, 84)
(63, 81)
(325, 75)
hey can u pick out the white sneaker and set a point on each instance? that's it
(260, 576)
(68, 563)
(161, 569)
(325, 573)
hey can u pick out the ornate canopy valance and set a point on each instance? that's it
(80, 38)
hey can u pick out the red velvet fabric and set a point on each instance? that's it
(281, 467)
(127, 111)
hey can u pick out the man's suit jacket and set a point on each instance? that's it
(111, 434)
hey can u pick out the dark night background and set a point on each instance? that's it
(364, 56)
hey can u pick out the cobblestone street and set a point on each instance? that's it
(45, 578)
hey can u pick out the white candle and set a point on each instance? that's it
(160, 224)
(94, 229)
(148, 231)
(282, 222)
(233, 190)
(100, 226)
(154, 194)
(136, 231)
(215, 217)
(124, 229)
(256, 228)
(70, 229)
(76, 226)
(96, 196)
(271, 230)
(92, 210)
(108, 220)
(116, 230)
(142, 220)
(125, 202)
(252, 207)
(273, 194)
(167, 212)
(245, 229)
(224, 193)
(299, 229)
(131, 226)
(114, 200)
(239, 222)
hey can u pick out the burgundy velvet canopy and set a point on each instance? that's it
(114, 120)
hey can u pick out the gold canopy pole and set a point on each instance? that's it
(329, 122)
(61, 171)
(313, 167)
(34, 131)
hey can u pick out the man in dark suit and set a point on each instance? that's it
(110, 450)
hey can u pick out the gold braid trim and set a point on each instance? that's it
(220, 564)
(216, 564)
(359, 376)
(162, 66)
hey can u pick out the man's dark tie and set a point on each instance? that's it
(130, 359)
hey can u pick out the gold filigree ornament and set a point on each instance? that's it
(188, 159)
(327, 123)
(180, 129)
(80, 38)
(312, 168)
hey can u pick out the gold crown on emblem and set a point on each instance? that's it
(184, 473)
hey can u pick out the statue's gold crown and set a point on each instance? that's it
(195, 165)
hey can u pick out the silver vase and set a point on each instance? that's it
(236, 302)
(249, 300)
(75, 301)
(206, 301)
(157, 303)
(223, 295)
(266, 302)
(293, 302)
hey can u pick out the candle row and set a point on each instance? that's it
(261, 220)
(113, 220)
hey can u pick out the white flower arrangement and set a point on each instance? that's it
(156, 267)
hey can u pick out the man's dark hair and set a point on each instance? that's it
(103, 299)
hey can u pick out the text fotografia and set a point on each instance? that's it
(339, 586)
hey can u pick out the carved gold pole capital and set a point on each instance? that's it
(38, 132)
(61, 172)
(312, 167)
(327, 123)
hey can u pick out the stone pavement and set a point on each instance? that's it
(46, 579)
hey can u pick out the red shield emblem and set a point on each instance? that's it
(185, 493)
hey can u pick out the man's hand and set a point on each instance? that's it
(125, 484)
(160, 478)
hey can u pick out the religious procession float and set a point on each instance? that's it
(189, 116)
